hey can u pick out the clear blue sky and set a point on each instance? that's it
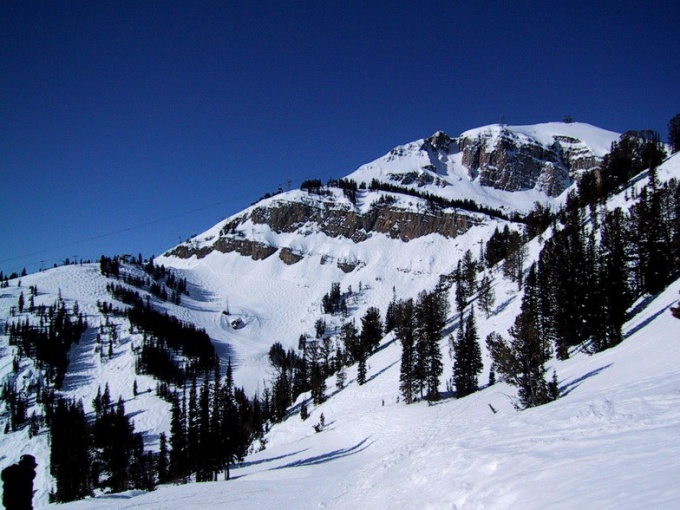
(127, 125)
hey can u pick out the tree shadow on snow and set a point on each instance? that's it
(566, 389)
(503, 305)
(330, 456)
(645, 322)
(385, 369)
(269, 459)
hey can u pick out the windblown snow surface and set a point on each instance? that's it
(610, 441)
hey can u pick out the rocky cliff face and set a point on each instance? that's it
(351, 224)
(545, 157)
(505, 159)
(330, 218)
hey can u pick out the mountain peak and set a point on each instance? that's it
(440, 141)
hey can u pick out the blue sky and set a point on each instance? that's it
(127, 126)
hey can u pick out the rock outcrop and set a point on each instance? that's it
(506, 160)
(345, 222)
(331, 219)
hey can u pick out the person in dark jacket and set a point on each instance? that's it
(17, 480)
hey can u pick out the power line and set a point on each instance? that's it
(288, 182)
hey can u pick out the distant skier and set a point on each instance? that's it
(17, 493)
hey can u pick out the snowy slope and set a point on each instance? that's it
(87, 370)
(610, 441)
(280, 302)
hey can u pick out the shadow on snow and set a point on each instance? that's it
(328, 457)
(566, 389)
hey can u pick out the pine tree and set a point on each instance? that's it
(204, 467)
(461, 295)
(522, 360)
(340, 378)
(616, 292)
(179, 469)
(281, 392)
(230, 423)
(163, 463)
(350, 339)
(467, 358)
(595, 301)
(430, 320)
(487, 296)
(193, 452)
(361, 370)
(70, 459)
(405, 332)
(674, 133)
(371, 330)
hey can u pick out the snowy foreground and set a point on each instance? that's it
(611, 441)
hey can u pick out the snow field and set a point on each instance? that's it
(609, 442)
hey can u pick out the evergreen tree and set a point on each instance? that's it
(371, 330)
(230, 423)
(656, 241)
(674, 134)
(350, 339)
(487, 296)
(614, 278)
(431, 313)
(361, 370)
(281, 398)
(563, 287)
(163, 465)
(193, 452)
(522, 361)
(391, 313)
(461, 295)
(204, 463)
(513, 264)
(341, 378)
(215, 441)
(405, 332)
(317, 376)
(70, 457)
(467, 358)
(114, 441)
(595, 310)
(179, 468)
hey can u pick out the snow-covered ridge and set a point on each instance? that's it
(598, 140)
(500, 166)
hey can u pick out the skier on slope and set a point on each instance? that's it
(17, 493)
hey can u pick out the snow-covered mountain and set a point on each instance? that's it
(484, 164)
(259, 276)
(291, 246)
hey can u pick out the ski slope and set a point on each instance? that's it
(610, 441)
